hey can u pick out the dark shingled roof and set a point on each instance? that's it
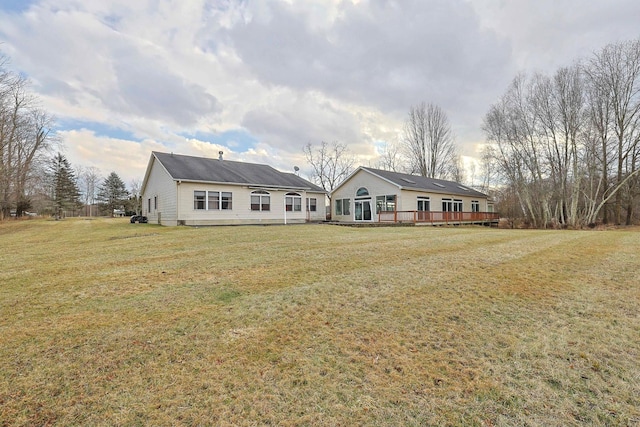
(201, 169)
(421, 183)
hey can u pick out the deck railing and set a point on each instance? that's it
(438, 217)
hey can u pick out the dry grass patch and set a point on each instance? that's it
(107, 323)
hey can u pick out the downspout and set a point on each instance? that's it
(178, 202)
(284, 205)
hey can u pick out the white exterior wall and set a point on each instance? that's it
(241, 212)
(376, 187)
(410, 199)
(161, 186)
(321, 206)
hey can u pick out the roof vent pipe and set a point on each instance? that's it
(220, 153)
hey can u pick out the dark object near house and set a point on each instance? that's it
(138, 218)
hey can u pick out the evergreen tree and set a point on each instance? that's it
(112, 193)
(65, 193)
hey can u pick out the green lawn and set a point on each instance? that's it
(103, 322)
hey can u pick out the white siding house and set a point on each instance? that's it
(187, 190)
(374, 195)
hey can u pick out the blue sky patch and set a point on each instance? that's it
(16, 5)
(99, 129)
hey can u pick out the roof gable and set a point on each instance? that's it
(202, 169)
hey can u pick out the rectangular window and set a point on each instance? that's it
(293, 203)
(213, 200)
(343, 207)
(198, 199)
(447, 206)
(311, 204)
(424, 204)
(155, 203)
(149, 205)
(457, 205)
(475, 206)
(255, 203)
(386, 203)
(227, 199)
(346, 206)
(260, 202)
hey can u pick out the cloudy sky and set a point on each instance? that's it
(259, 79)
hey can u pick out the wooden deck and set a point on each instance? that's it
(438, 218)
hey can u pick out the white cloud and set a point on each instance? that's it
(285, 73)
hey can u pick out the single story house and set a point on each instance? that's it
(374, 195)
(187, 190)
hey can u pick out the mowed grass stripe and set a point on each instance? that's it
(317, 325)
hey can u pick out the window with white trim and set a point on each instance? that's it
(198, 200)
(386, 203)
(343, 207)
(293, 202)
(227, 199)
(475, 206)
(424, 204)
(260, 201)
(212, 200)
(311, 204)
(362, 191)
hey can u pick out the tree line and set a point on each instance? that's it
(565, 147)
(32, 177)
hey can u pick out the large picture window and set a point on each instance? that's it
(386, 203)
(260, 201)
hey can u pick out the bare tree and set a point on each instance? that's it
(135, 198)
(331, 164)
(429, 143)
(88, 181)
(391, 158)
(559, 105)
(511, 125)
(568, 146)
(614, 74)
(25, 136)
